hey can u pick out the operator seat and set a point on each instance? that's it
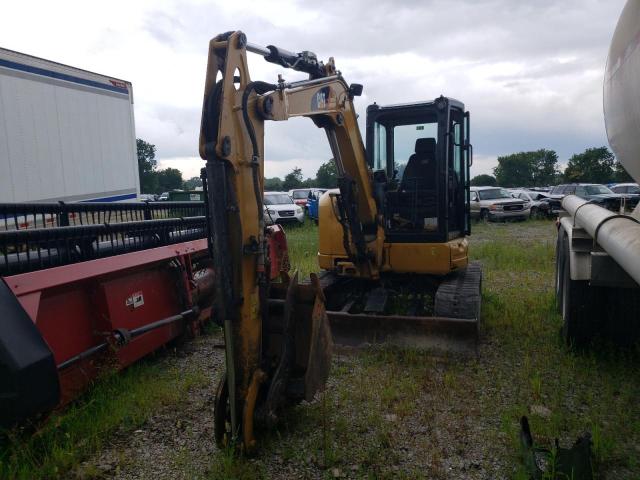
(420, 172)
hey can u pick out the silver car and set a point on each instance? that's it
(538, 204)
(497, 204)
(279, 208)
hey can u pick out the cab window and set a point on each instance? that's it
(406, 139)
(380, 147)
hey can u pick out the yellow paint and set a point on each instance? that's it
(421, 258)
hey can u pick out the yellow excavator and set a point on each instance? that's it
(392, 237)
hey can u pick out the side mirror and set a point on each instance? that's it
(355, 90)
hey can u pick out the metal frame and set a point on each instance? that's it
(37, 249)
(21, 216)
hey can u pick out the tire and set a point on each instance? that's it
(581, 306)
(484, 215)
(533, 213)
(622, 325)
(562, 238)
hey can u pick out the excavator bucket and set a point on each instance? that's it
(296, 355)
(442, 316)
(297, 325)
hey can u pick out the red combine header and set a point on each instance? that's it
(91, 287)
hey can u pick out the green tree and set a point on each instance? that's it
(147, 166)
(594, 165)
(169, 179)
(293, 179)
(545, 167)
(484, 180)
(620, 175)
(273, 184)
(192, 183)
(309, 182)
(524, 169)
(327, 175)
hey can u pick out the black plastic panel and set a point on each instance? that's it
(28, 374)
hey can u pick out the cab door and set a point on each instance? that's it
(458, 195)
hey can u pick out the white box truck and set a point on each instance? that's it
(65, 134)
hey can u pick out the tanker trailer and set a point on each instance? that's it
(598, 251)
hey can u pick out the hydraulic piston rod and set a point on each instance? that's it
(303, 62)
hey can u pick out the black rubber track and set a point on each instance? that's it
(458, 295)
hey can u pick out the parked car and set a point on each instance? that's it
(279, 208)
(631, 188)
(595, 193)
(538, 202)
(300, 196)
(164, 196)
(495, 203)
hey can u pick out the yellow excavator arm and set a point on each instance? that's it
(277, 339)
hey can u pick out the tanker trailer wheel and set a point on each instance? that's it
(579, 310)
(560, 254)
(222, 414)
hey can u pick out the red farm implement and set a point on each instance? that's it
(90, 287)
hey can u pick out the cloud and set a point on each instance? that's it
(529, 72)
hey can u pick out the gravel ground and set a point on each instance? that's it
(406, 414)
(441, 433)
(176, 443)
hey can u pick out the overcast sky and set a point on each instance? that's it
(530, 72)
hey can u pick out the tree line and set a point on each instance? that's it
(523, 169)
(152, 179)
(540, 168)
(326, 177)
(155, 180)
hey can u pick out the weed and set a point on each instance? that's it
(122, 401)
(536, 386)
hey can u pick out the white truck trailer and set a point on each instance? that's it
(65, 134)
(598, 251)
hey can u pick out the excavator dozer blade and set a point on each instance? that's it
(359, 312)
(429, 333)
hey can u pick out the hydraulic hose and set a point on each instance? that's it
(260, 88)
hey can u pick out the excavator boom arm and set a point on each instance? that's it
(277, 339)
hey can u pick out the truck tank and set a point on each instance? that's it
(622, 90)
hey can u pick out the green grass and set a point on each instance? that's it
(523, 366)
(302, 241)
(401, 413)
(120, 402)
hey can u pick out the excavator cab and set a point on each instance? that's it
(420, 156)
